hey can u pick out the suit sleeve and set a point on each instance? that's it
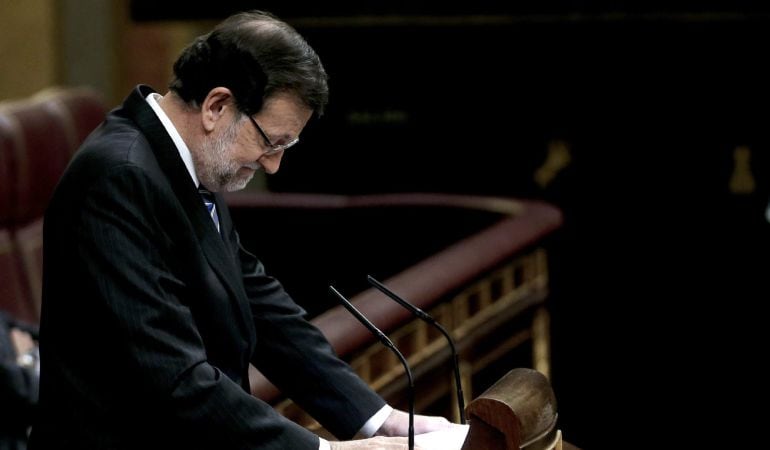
(125, 250)
(296, 356)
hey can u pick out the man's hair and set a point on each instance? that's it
(254, 54)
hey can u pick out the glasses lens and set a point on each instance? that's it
(272, 148)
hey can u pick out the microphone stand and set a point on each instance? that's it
(427, 318)
(388, 343)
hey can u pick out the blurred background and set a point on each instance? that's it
(644, 122)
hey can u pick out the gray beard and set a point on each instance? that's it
(216, 170)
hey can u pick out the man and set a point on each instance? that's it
(152, 311)
(18, 381)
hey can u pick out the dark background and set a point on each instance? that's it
(660, 273)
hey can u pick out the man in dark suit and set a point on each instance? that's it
(152, 310)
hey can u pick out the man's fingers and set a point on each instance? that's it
(375, 443)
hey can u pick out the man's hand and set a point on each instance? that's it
(27, 355)
(22, 341)
(375, 443)
(397, 424)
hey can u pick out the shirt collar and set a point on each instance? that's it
(184, 151)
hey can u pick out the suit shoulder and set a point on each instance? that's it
(116, 142)
(115, 151)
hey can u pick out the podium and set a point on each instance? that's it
(517, 412)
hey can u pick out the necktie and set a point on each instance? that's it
(208, 200)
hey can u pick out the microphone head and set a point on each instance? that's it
(361, 318)
(395, 297)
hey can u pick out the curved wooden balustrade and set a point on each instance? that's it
(477, 287)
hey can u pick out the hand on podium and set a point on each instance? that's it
(375, 443)
(431, 432)
(397, 424)
(392, 434)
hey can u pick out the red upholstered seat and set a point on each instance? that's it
(38, 136)
(39, 150)
(8, 162)
(29, 246)
(13, 292)
(81, 108)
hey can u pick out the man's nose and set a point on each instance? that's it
(271, 163)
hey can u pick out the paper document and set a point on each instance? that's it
(449, 439)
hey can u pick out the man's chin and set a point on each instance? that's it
(239, 182)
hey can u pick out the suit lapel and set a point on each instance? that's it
(219, 256)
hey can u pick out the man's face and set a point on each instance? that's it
(230, 156)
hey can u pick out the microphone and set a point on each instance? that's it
(427, 318)
(388, 343)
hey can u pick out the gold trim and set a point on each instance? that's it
(557, 159)
(742, 179)
(541, 342)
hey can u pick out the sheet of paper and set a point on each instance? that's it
(449, 439)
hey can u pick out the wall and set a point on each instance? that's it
(28, 46)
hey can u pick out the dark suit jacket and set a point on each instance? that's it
(150, 317)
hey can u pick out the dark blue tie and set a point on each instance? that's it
(208, 200)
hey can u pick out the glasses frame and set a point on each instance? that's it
(272, 148)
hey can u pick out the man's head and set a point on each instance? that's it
(255, 83)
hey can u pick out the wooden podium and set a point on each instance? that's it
(517, 412)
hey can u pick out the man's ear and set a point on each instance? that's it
(214, 107)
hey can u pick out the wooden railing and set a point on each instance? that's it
(488, 289)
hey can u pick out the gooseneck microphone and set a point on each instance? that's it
(427, 318)
(388, 343)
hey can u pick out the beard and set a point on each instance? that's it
(215, 167)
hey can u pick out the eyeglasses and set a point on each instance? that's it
(273, 148)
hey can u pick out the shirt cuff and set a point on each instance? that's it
(374, 423)
(323, 444)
